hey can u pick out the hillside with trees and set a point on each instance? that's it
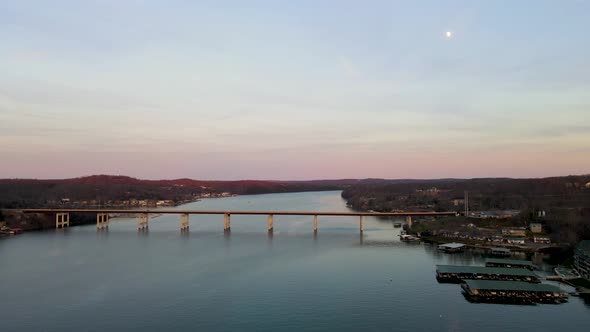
(562, 204)
(110, 190)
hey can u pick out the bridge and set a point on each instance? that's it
(62, 216)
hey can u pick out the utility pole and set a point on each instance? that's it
(466, 204)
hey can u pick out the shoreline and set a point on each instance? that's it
(482, 245)
(39, 223)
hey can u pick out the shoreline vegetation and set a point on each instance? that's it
(40, 222)
(107, 191)
(110, 191)
(503, 212)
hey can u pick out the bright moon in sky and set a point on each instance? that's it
(449, 34)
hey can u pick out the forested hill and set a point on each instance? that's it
(127, 191)
(561, 204)
(484, 194)
(118, 190)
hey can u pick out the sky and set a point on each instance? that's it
(294, 89)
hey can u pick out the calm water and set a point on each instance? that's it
(84, 280)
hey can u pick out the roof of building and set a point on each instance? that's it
(536, 225)
(484, 270)
(584, 246)
(511, 286)
(508, 261)
(452, 245)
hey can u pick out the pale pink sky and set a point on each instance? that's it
(280, 90)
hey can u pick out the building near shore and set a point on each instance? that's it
(541, 239)
(458, 201)
(582, 258)
(536, 228)
(514, 231)
(516, 240)
(501, 214)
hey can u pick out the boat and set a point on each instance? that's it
(409, 238)
(16, 230)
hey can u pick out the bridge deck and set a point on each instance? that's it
(289, 213)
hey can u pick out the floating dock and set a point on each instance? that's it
(509, 263)
(452, 247)
(502, 252)
(458, 273)
(512, 292)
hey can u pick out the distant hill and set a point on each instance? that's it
(19, 193)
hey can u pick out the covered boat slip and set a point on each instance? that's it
(457, 273)
(509, 263)
(512, 291)
(452, 247)
(502, 252)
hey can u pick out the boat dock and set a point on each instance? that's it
(458, 273)
(451, 247)
(509, 263)
(502, 252)
(512, 291)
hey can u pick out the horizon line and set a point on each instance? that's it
(305, 180)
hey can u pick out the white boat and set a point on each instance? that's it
(409, 238)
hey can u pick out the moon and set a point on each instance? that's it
(449, 34)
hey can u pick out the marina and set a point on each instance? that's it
(509, 263)
(457, 273)
(512, 292)
(451, 247)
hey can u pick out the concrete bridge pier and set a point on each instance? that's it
(227, 222)
(361, 226)
(409, 221)
(315, 223)
(62, 219)
(102, 220)
(184, 222)
(270, 223)
(143, 221)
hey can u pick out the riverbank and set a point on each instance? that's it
(488, 246)
(32, 222)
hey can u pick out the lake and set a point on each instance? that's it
(80, 279)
